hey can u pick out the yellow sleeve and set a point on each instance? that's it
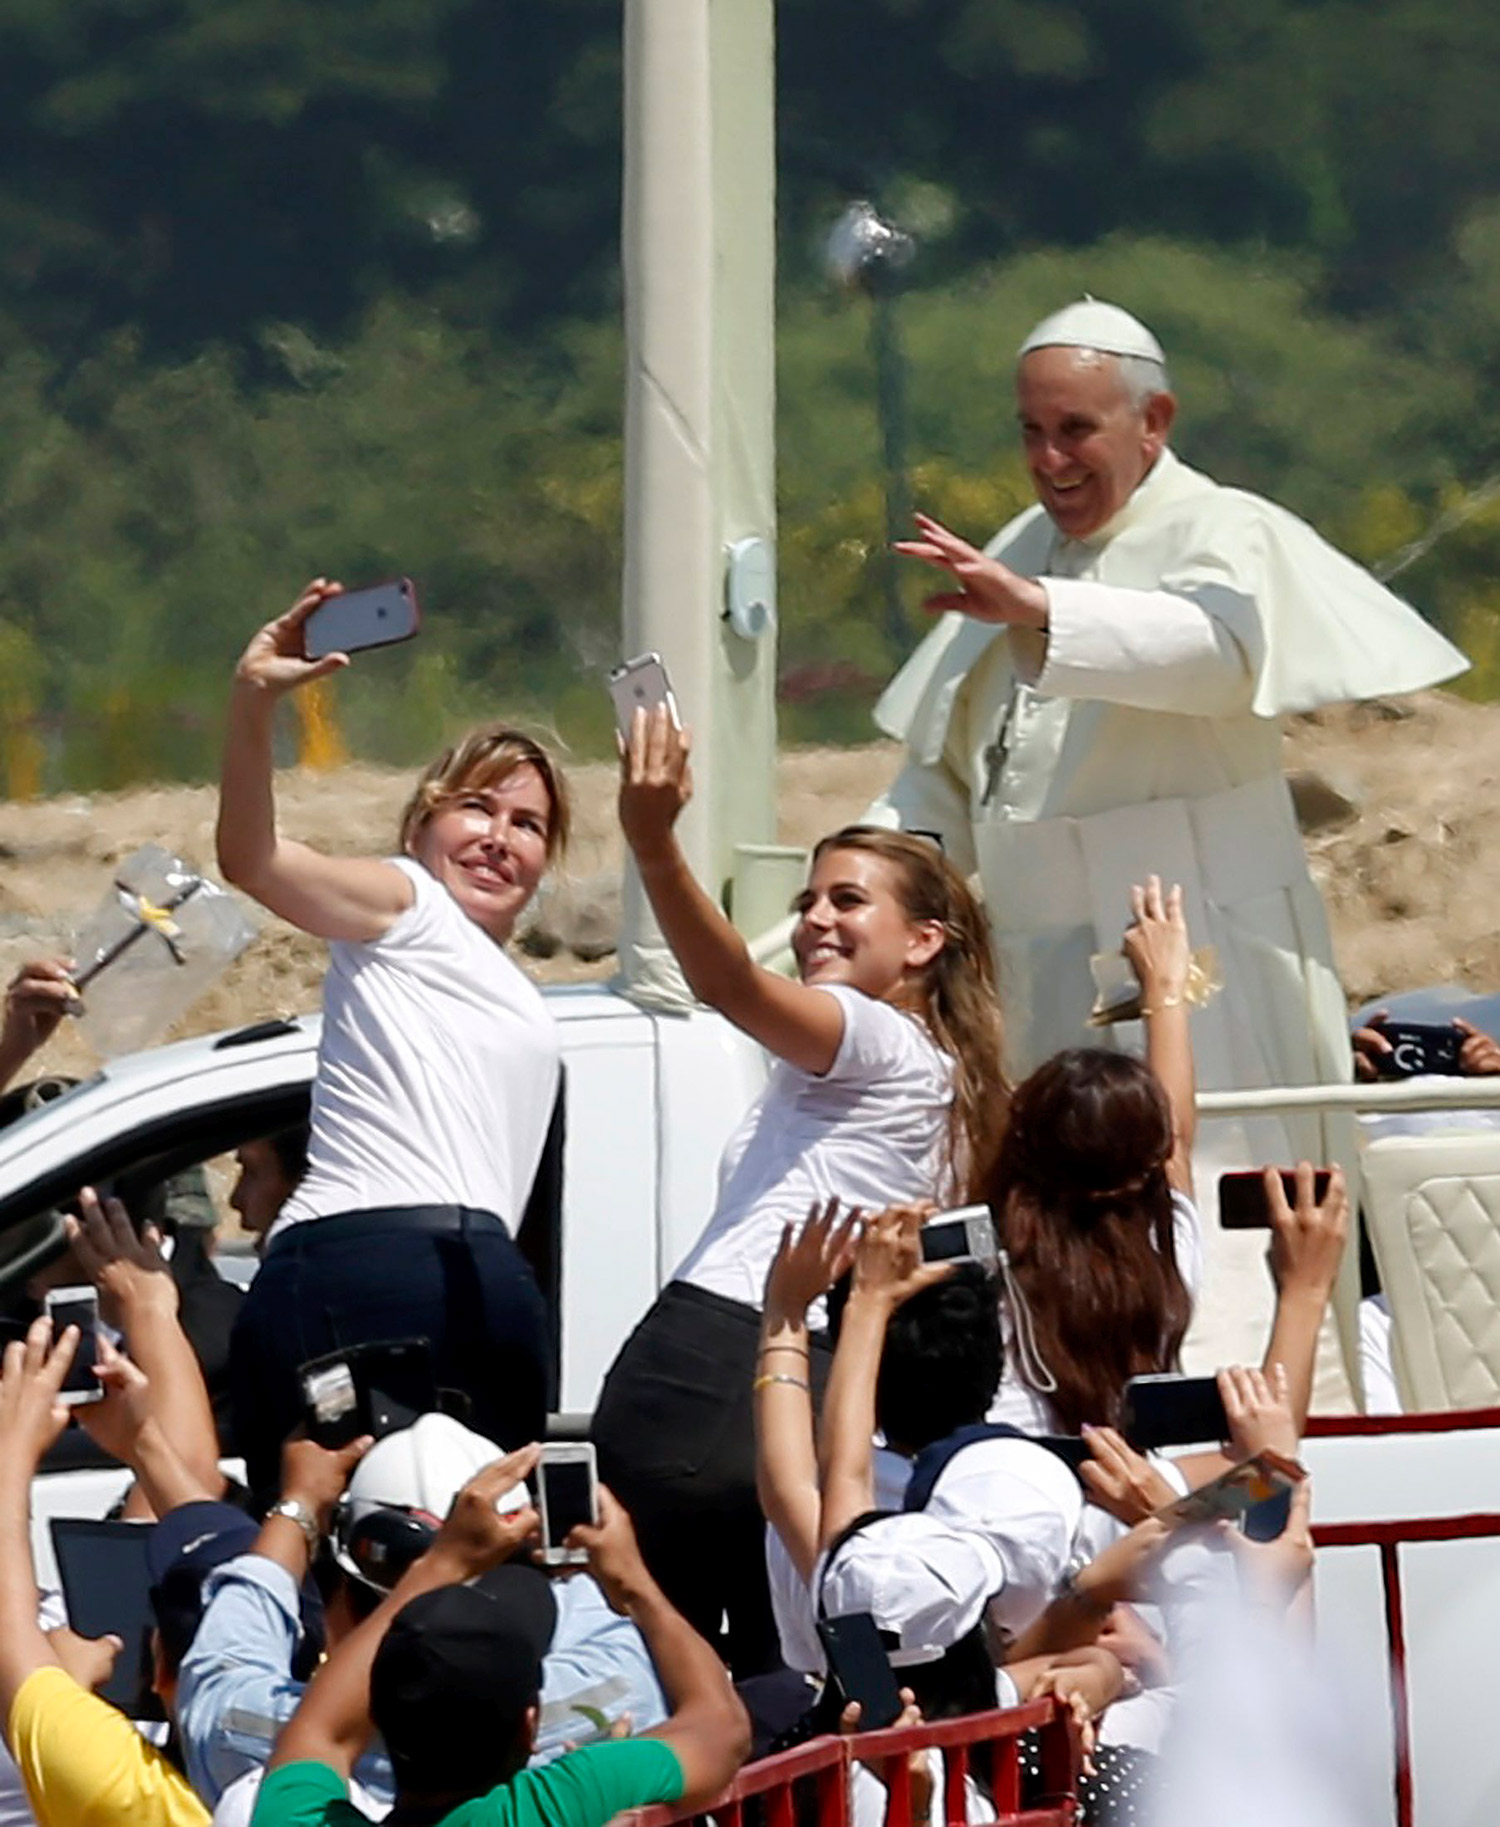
(85, 1765)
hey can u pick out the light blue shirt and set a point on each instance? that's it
(235, 1689)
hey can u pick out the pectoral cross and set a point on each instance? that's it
(994, 756)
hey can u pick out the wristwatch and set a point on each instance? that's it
(298, 1512)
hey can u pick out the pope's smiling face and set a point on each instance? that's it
(1088, 445)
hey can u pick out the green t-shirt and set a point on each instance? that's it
(584, 1789)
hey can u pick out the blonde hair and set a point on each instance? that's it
(959, 1001)
(484, 758)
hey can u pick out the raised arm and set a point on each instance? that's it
(332, 1725)
(1157, 946)
(1307, 1245)
(707, 1729)
(31, 1418)
(137, 1294)
(888, 1269)
(330, 897)
(798, 1024)
(806, 1265)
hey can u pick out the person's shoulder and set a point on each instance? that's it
(879, 1034)
(304, 1794)
(585, 1788)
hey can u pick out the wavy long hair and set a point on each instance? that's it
(1083, 1208)
(958, 999)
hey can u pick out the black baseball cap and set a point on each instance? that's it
(454, 1676)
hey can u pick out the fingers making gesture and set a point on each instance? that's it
(986, 590)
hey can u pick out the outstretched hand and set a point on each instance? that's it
(475, 1536)
(126, 1267)
(1157, 945)
(888, 1265)
(809, 1260)
(275, 661)
(656, 781)
(31, 1414)
(987, 590)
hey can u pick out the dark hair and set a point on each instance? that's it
(289, 1146)
(942, 1359)
(959, 1003)
(1084, 1209)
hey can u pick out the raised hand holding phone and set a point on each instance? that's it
(275, 658)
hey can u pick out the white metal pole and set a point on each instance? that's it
(699, 271)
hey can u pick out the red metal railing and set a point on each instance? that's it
(825, 1765)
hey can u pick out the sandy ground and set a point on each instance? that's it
(1410, 875)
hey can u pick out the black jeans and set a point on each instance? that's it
(675, 1434)
(443, 1273)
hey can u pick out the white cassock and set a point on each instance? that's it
(1140, 734)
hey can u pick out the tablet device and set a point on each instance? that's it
(102, 1567)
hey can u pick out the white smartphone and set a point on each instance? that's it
(641, 684)
(966, 1234)
(356, 619)
(78, 1307)
(567, 1481)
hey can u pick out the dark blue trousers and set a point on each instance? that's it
(443, 1273)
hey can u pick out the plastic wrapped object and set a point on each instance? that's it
(161, 936)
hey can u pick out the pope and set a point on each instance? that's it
(1102, 701)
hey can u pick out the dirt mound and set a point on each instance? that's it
(1410, 876)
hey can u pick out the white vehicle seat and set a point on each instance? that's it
(1432, 1209)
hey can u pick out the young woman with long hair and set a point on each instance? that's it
(1092, 1198)
(888, 1086)
(437, 1071)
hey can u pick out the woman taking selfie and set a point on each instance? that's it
(437, 1070)
(887, 1087)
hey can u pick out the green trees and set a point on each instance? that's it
(286, 289)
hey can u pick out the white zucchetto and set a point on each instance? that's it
(1092, 324)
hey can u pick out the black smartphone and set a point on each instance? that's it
(369, 1389)
(1418, 1047)
(859, 1664)
(102, 1569)
(1172, 1411)
(1243, 1205)
(1072, 1449)
(356, 619)
(567, 1480)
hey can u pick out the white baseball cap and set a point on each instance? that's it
(925, 1584)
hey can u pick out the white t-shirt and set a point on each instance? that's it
(1022, 1406)
(871, 1129)
(437, 1070)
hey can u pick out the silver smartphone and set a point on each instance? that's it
(966, 1234)
(356, 619)
(78, 1307)
(567, 1483)
(641, 684)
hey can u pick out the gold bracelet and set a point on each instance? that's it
(1167, 1002)
(796, 1382)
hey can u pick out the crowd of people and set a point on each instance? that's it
(813, 1422)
